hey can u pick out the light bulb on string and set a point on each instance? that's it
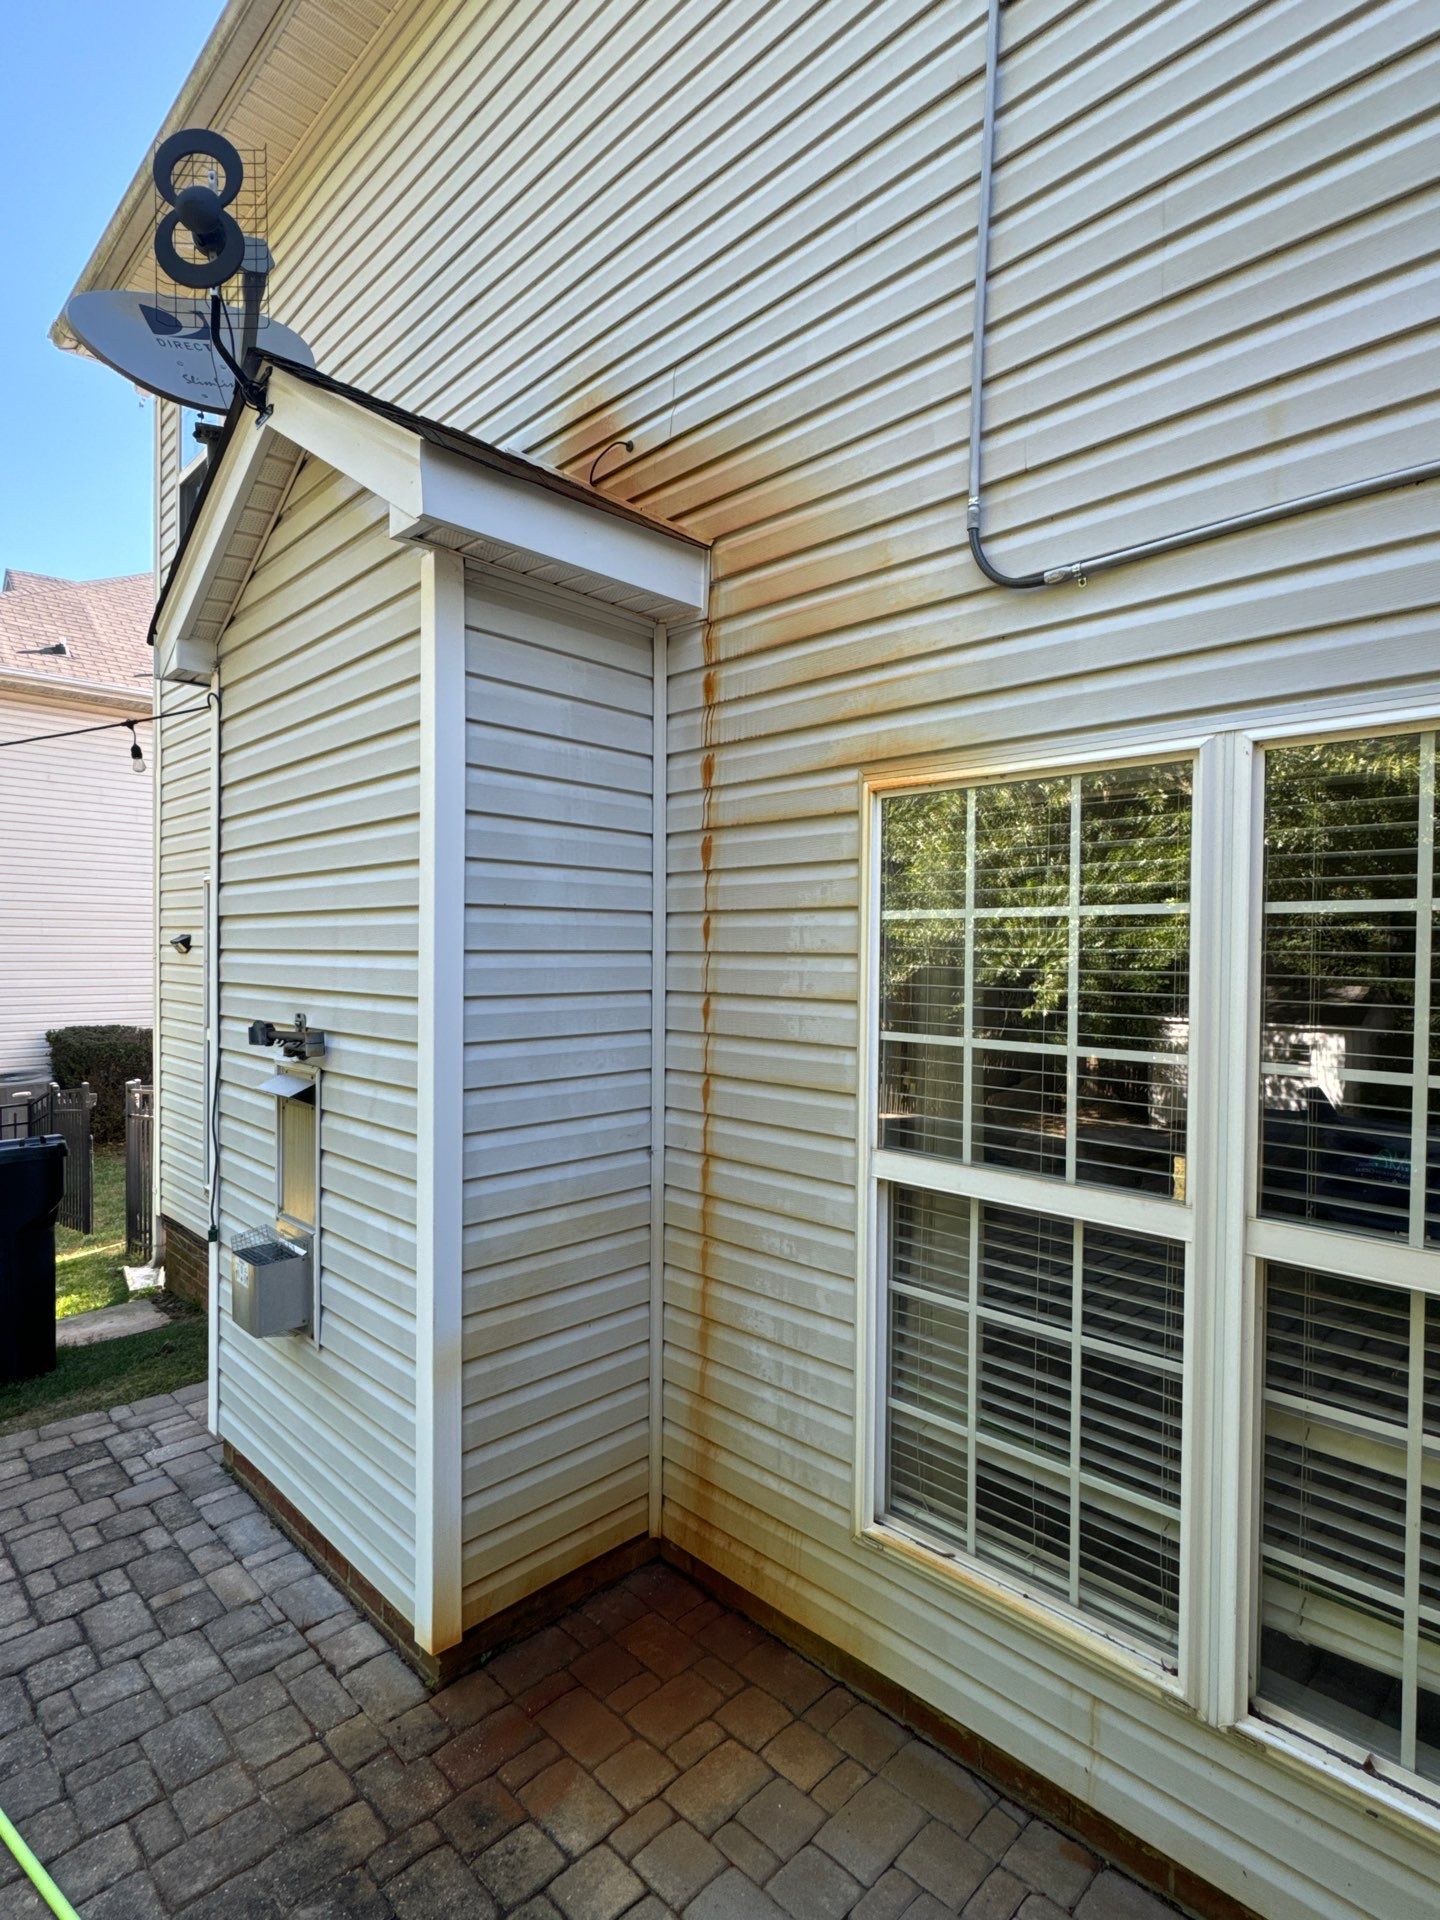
(137, 757)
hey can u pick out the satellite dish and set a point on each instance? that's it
(168, 349)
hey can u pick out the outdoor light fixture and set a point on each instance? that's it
(137, 758)
(181, 942)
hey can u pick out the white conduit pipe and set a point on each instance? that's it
(1078, 571)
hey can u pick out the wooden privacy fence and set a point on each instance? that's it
(139, 1163)
(26, 1112)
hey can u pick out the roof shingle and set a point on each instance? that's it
(103, 624)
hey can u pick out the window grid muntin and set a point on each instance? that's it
(1074, 912)
(1101, 1515)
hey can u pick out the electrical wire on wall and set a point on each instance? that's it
(1077, 572)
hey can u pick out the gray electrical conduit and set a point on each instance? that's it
(1078, 571)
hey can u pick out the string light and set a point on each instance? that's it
(107, 726)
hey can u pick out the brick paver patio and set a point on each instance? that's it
(194, 1722)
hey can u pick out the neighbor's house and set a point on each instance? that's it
(913, 1095)
(76, 865)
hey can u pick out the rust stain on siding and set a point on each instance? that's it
(704, 1438)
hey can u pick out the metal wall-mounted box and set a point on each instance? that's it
(271, 1282)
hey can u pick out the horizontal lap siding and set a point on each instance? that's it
(75, 882)
(557, 1089)
(319, 886)
(741, 234)
(183, 855)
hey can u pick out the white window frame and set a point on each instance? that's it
(1183, 1221)
(1406, 1268)
(1216, 1673)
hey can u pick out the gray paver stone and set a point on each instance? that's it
(640, 1829)
(944, 1864)
(213, 1798)
(1051, 1863)
(598, 1887)
(572, 1807)
(812, 1886)
(1113, 1896)
(783, 1817)
(635, 1774)
(519, 1864)
(733, 1897)
(998, 1897)
(891, 1894)
(186, 1747)
(870, 1830)
(718, 1786)
(477, 1818)
(438, 1887)
(97, 1863)
(678, 1863)
(119, 1796)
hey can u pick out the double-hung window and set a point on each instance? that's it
(1046, 1301)
(1347, 1216)
(1031, 1155)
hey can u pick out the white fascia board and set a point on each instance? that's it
(101, 694)
(549, 526)
(374, 452)
(177, 655)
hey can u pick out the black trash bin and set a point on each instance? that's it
(32, 1180)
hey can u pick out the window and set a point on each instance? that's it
(1349, 1166)
(1033, 1043)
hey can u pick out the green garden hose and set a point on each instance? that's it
(39, 1878)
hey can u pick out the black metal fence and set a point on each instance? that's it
(139, 1164)
(28, 1111)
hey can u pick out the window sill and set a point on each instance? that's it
(1088, 1645)
(1409, 1812)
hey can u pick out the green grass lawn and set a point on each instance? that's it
(112, 1373)
(89, 1268)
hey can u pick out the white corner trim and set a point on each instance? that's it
(659, 786)
(440, 1131)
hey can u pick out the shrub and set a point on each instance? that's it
(107, 1057)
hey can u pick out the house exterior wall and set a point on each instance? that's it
(75, 916)
(319, 809)
(184, 781)
(743, 237)
(559, 889)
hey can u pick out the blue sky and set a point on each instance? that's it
(84, 87)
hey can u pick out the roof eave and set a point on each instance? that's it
(235, 41)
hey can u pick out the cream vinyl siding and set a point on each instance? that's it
(318, 914)
(75, 916)
(183, 857)
(742, 235)
(557, 1087)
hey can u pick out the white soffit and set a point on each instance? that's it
(489, 505)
